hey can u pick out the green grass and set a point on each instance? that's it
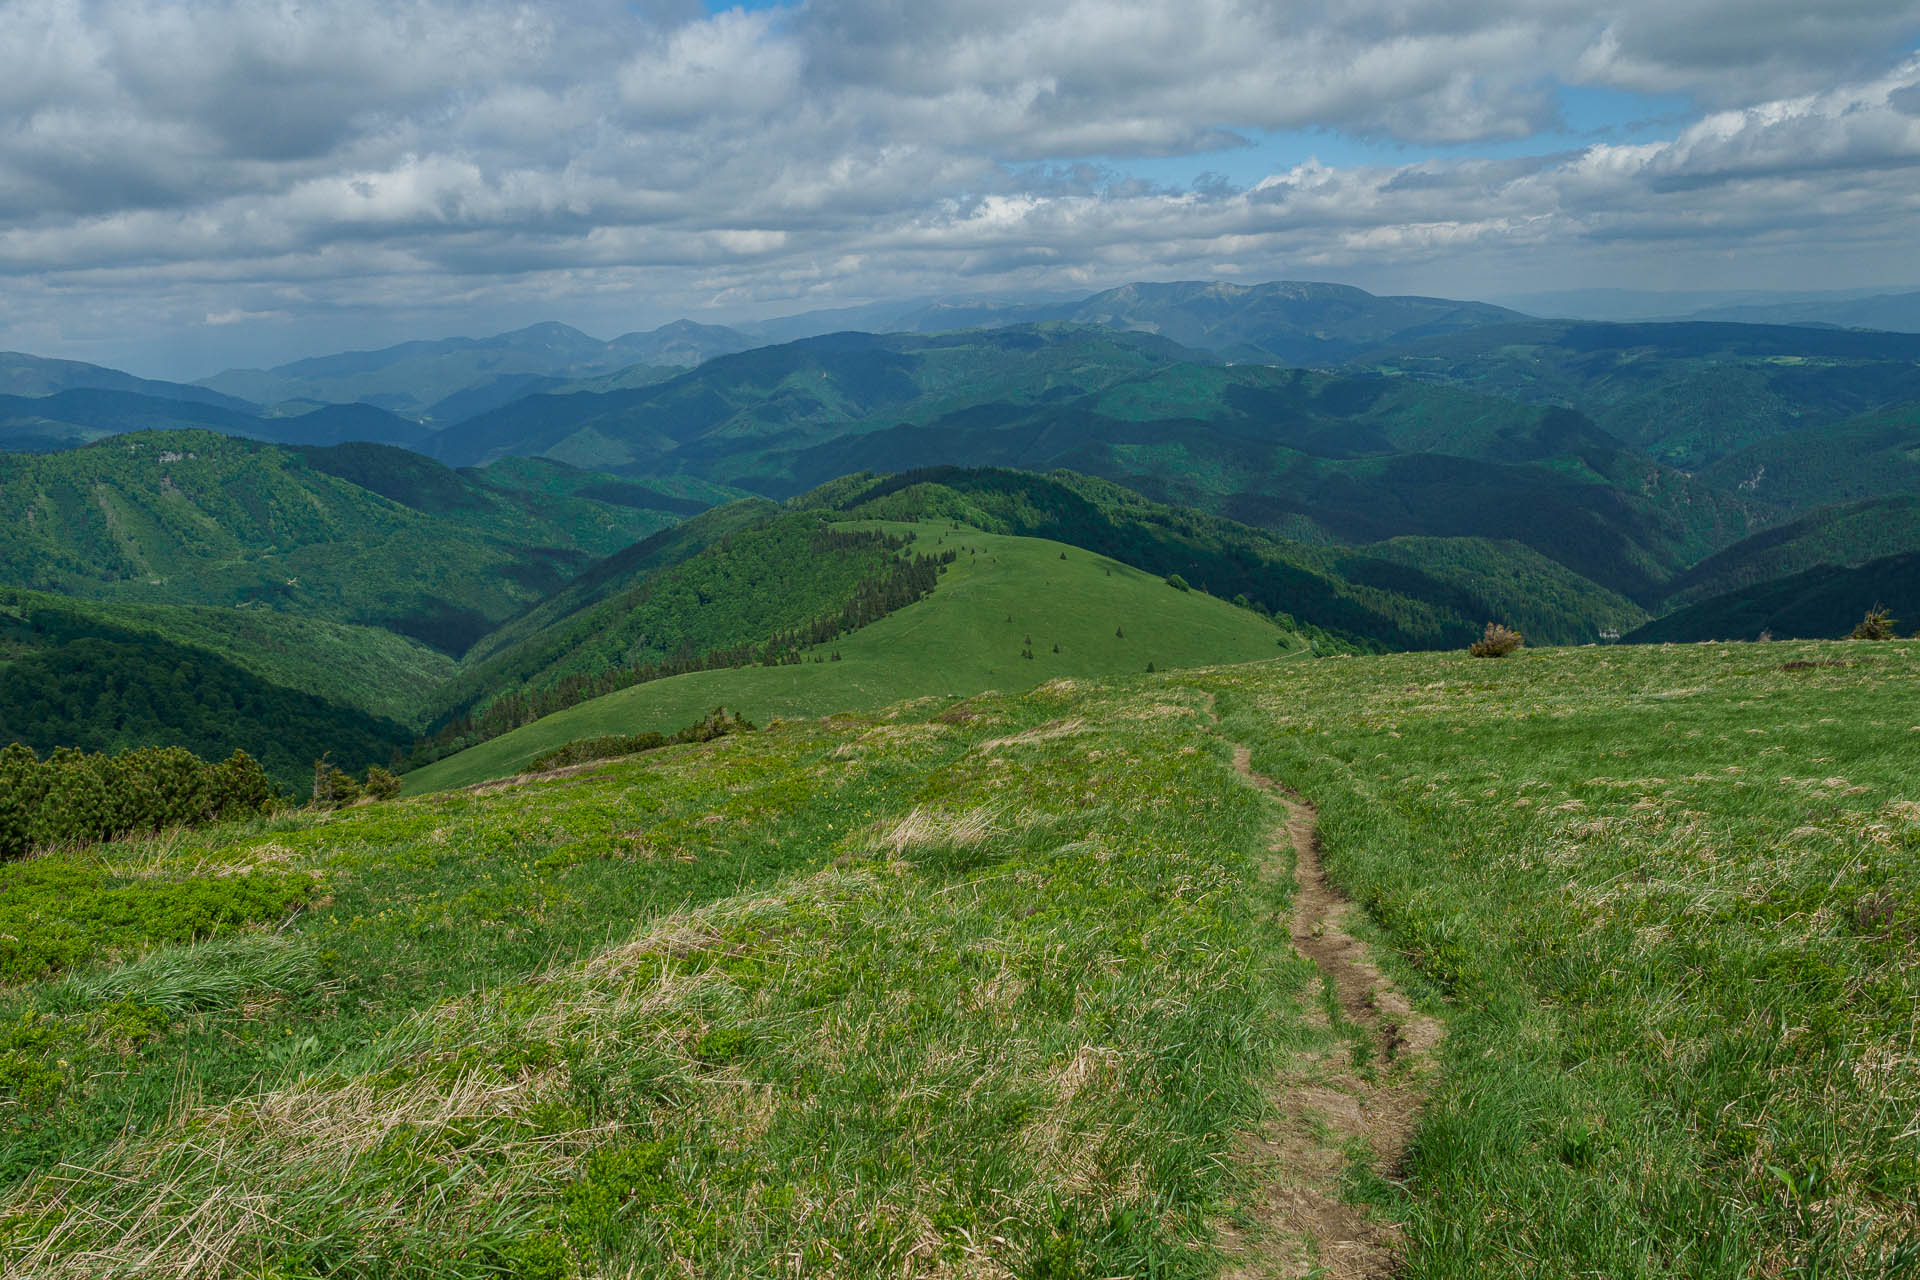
(948, 991)
(995, 986)
(1670, 895)
(968, 636)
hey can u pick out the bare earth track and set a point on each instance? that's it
(1339, 1107)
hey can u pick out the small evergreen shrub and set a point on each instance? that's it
(333, 788)
(1498, 642)
(1177, 582)
(1876, 625)
(380, 784)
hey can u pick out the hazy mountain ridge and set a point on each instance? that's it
(443, 380)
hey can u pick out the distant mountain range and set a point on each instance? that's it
(1655, 465)
(443, 381)
(1845, 309)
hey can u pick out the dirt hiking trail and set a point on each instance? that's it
(1340, 1106)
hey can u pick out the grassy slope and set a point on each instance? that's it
(880, 997)
(957, 991)
(365, 667)
(959, 641)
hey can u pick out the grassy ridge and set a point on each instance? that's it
(967, 637)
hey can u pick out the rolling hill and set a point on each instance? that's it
(1005, 596)
(741, 575)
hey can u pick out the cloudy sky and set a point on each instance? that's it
(187, 185)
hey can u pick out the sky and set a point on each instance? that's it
(187, 186)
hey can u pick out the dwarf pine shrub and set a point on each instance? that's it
(1499, 641)
(76, 797)
(1876, 625)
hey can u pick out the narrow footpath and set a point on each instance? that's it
(1357, 1101)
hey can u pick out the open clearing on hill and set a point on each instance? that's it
(995, 986)
(1077, 614)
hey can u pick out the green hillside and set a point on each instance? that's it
(68, 679)
(757, 592)
(1003, 597)
(357, 533)
(1822, 603)
(374, 670)
(1849, 534)
(1416, 593)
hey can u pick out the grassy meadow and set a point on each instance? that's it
(1081, 615)
(1000, 986)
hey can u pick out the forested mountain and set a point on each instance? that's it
(1875, 454)
(801, 393)
(386, 675)
(1848, 535)
(1350, 459)
(190, 517)
(74, 680)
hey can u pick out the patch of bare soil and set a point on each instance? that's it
(1331, 1111)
